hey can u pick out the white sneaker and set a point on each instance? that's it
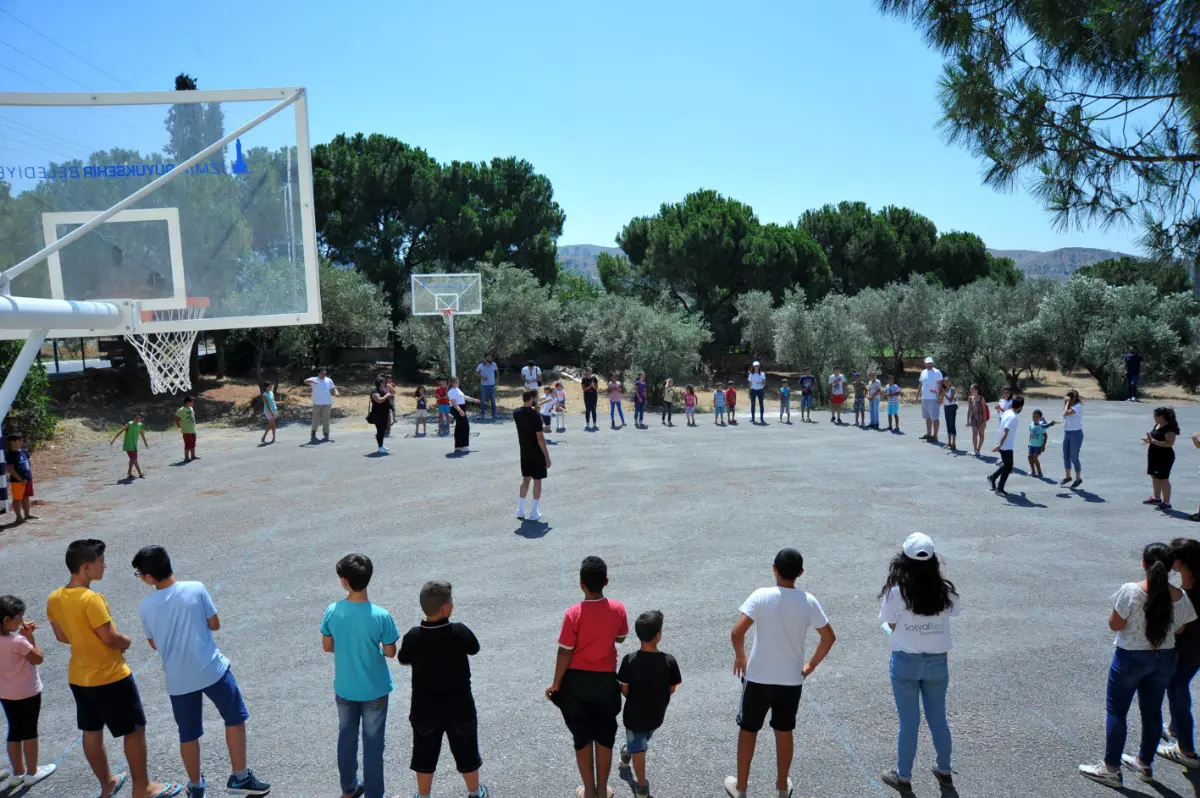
(1143, 772)
(1100, 773)
(534, 517)
(731, 788)
(384, 450)
(1173, 752)
(42, 772)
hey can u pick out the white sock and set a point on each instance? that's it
(521, 505)
(535, 504)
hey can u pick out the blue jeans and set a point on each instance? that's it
(372, 715)
(1179, 699)
(1141, 673)
(487, 395)
(1132, 380)
(613, 409)
(874, 408)
(637, 742)
(639, 411)
(757, 394)
(1072, 443)
(951, 417)
(917, 678)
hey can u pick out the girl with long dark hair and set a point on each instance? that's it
(977, 417)
(1181, 747)
(1072, 437)
(1145, 615)
(918, 603)
(1160, 456)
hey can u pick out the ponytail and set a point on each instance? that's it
(1159, 608)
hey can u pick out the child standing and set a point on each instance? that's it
(185, 421)
(270, 411)
(648, 678)
(442, 394)
(585, 683)
(421, 426)
(785, 401)
(860, 401)
(874, 394)
(731, 403)
(20, 478)
(1037, 441)
(546, 407)
(361, 636)
(132, 431)
(977, 417)
(639, 401)
(689, 405)
(670, 398)
(837, 395)
(807, 383)
(615, 391)
(442, 704)
(21, 695)
(892, 391)
(105, 692)
(718, 406)
(560, 406)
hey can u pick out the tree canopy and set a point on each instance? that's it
(1167, 278)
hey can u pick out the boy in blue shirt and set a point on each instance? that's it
(361, 636)
(20, 478)
(1037, 441)
(718, 406)
(178, 619)
(807, 381)
(892, 392)
(785, 402)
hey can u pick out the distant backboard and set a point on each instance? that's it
(434, 294)
(236, 229)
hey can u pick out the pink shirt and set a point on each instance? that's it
(689, 400)
(19, 677)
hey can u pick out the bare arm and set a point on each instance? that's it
(110, 637)
(542, 444)
(828, 638)
(389, 651)
(214, 623)
(151, 642)
(562, 661)
(146, 442)
(327, 644)
(738, 638)
(120, 432)
(36, 656)
(1116, 622)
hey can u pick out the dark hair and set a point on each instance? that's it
(356, 569)
(420, 389)
(1158, 559)
(1018, 403)
(1187, 551)
(11, 607)
(264, 386)
(648, 625)
(379, 381)
(975, 387)
(83, 552)
(1006, 390)
(922, 587)
(1168, 415)
(322, 368)
(529, 394)
(593, 573)
(187, 399)
(789, 563)
(153, 561)
(1074, 393)
(434, 596)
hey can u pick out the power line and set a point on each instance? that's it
(44, 133)
(22, 75)
(70, 52)
(14, 142)
(9, 136)
(46, 66)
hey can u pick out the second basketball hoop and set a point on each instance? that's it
(447, 295)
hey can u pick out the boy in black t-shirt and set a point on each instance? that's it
(648, 678)
(442, 702)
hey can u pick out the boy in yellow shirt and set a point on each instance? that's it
(102, 684)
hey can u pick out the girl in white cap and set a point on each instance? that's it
(918, 603)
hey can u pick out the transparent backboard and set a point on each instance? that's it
(433, 294)
(236, 228)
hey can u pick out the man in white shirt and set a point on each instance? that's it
(487, 371)
(323, 391)
(773, 676)
(531, 375)
(1008, 438)
(931, 384)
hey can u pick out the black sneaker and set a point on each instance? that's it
(626, 757)
(992, 481)
(944, 780)
(1077, 483)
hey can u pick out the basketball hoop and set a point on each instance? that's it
(447, 312)
(168, 355)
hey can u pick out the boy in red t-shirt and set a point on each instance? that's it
(730, 402)
(585, 685)
(443, 405)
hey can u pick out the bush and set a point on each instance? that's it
(30, 412)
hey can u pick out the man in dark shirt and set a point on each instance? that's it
(442, 702)
(648, 677)
(535, 457)
(1133, 371)
(590, 385)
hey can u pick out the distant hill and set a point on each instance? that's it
(1058, 264)
(581, 258)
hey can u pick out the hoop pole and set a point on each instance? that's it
(153, 185)
(450, 321)
(23, 313)
(20, 369)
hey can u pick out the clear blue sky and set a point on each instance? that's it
(782, 104)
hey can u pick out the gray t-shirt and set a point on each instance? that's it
(1130, 603)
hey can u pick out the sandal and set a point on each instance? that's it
(117, 789)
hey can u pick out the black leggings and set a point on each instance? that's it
(381, 427)
(462, 427)
(589, 407)
(1006, 467)
(667, 412)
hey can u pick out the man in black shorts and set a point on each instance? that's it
(535, 457)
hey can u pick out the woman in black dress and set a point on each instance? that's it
(1160, 456)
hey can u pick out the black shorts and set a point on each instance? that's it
(117, 706)
(533, 465)
(782, 699)
(590, 702)
(22, 717)
(458, 723)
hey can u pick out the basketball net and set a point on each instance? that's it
(168, 355)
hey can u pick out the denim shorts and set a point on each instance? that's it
(637, 742)
(806, 401)
(189, 707)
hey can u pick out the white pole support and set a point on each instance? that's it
(33, 313)
(20, 368)
(153, 185)
(450, 321)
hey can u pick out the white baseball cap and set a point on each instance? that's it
(756, 363)
(929, 360)
(918, 546)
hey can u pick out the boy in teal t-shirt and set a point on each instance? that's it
(785, 402)
(361, 636)
(1037, 441)
(132, 431)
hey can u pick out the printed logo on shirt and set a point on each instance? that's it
(932, 628)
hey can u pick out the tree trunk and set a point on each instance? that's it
(898, 366)
(259, 350)
(219, 345)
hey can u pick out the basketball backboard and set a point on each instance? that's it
(236, 228)
(434, 294)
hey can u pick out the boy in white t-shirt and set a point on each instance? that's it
(773, 676)
(1008, 439)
